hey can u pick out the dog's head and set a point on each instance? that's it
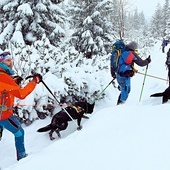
(88, 108)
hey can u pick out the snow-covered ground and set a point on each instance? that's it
(133, 136)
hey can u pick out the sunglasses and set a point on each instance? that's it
(136, 51)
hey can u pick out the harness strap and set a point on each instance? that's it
(77, 108)
(5, 108)
(3, 72)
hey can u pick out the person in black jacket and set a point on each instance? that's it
(168, 64)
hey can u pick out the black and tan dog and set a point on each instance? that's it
(165, 95)
(60, 120)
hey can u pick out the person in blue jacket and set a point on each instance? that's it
(164, 44)
(126, 69)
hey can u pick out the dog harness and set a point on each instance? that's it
(77, 108)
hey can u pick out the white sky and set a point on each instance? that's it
(147, 6)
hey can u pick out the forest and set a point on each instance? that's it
(72, 41)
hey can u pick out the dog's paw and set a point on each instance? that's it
(79, 127)
(58, 133)
(52, 138)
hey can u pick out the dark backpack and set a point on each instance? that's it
(117, 49)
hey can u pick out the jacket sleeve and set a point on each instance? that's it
(21, 93)
(18, 92)
(137, 60)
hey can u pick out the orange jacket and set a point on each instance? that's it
(10, 91)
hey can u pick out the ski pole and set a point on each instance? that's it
(96, 98)
(57, 101)
(54, 98)
(152, 76)
(143, 83)
(1, 130)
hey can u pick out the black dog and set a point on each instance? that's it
(60, 120)
(165, 95)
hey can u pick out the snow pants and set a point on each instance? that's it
(124, 83)
(169, 74)
(14, 126)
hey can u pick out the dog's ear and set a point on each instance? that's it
(90, 108)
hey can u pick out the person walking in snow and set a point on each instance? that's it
(164, 44)
(168, 64)
(126, 69)
(9, 89)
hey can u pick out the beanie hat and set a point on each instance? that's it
(132, 46)
(5, 56)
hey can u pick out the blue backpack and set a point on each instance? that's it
(117, 49)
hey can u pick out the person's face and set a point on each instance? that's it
(9, 63)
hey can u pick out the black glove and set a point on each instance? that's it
(79, 127)
(18, 79)
(113, 73)
(37, 78)
(148, 59)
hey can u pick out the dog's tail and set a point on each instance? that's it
(157, 95)
(44, 129)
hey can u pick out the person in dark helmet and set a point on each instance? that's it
(126, 69)
(9, 90)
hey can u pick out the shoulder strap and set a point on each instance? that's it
(77, 108)
(3, 71)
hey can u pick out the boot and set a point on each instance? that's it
(21, 155)
(119, 101)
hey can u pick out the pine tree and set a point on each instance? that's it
(166, 13)
(27, 21)
(93, 33)
(157, 22)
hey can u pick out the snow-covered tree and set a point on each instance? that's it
(157, 22)
(93, 33)
(25, 21)
(166, 23)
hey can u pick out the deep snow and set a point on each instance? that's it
(133, 136)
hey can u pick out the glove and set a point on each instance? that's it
(79, 127)
(37, 78)
(113, 73)
(18, 79)
(148, 59)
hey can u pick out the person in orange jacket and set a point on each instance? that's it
(8, 92)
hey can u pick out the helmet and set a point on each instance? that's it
(132, 46)
(5, 56)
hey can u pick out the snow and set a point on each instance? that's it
(133, 136)
(26, 9)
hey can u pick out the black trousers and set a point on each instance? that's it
(169, 74)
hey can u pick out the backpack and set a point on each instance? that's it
(117, 49)
(126, 64)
